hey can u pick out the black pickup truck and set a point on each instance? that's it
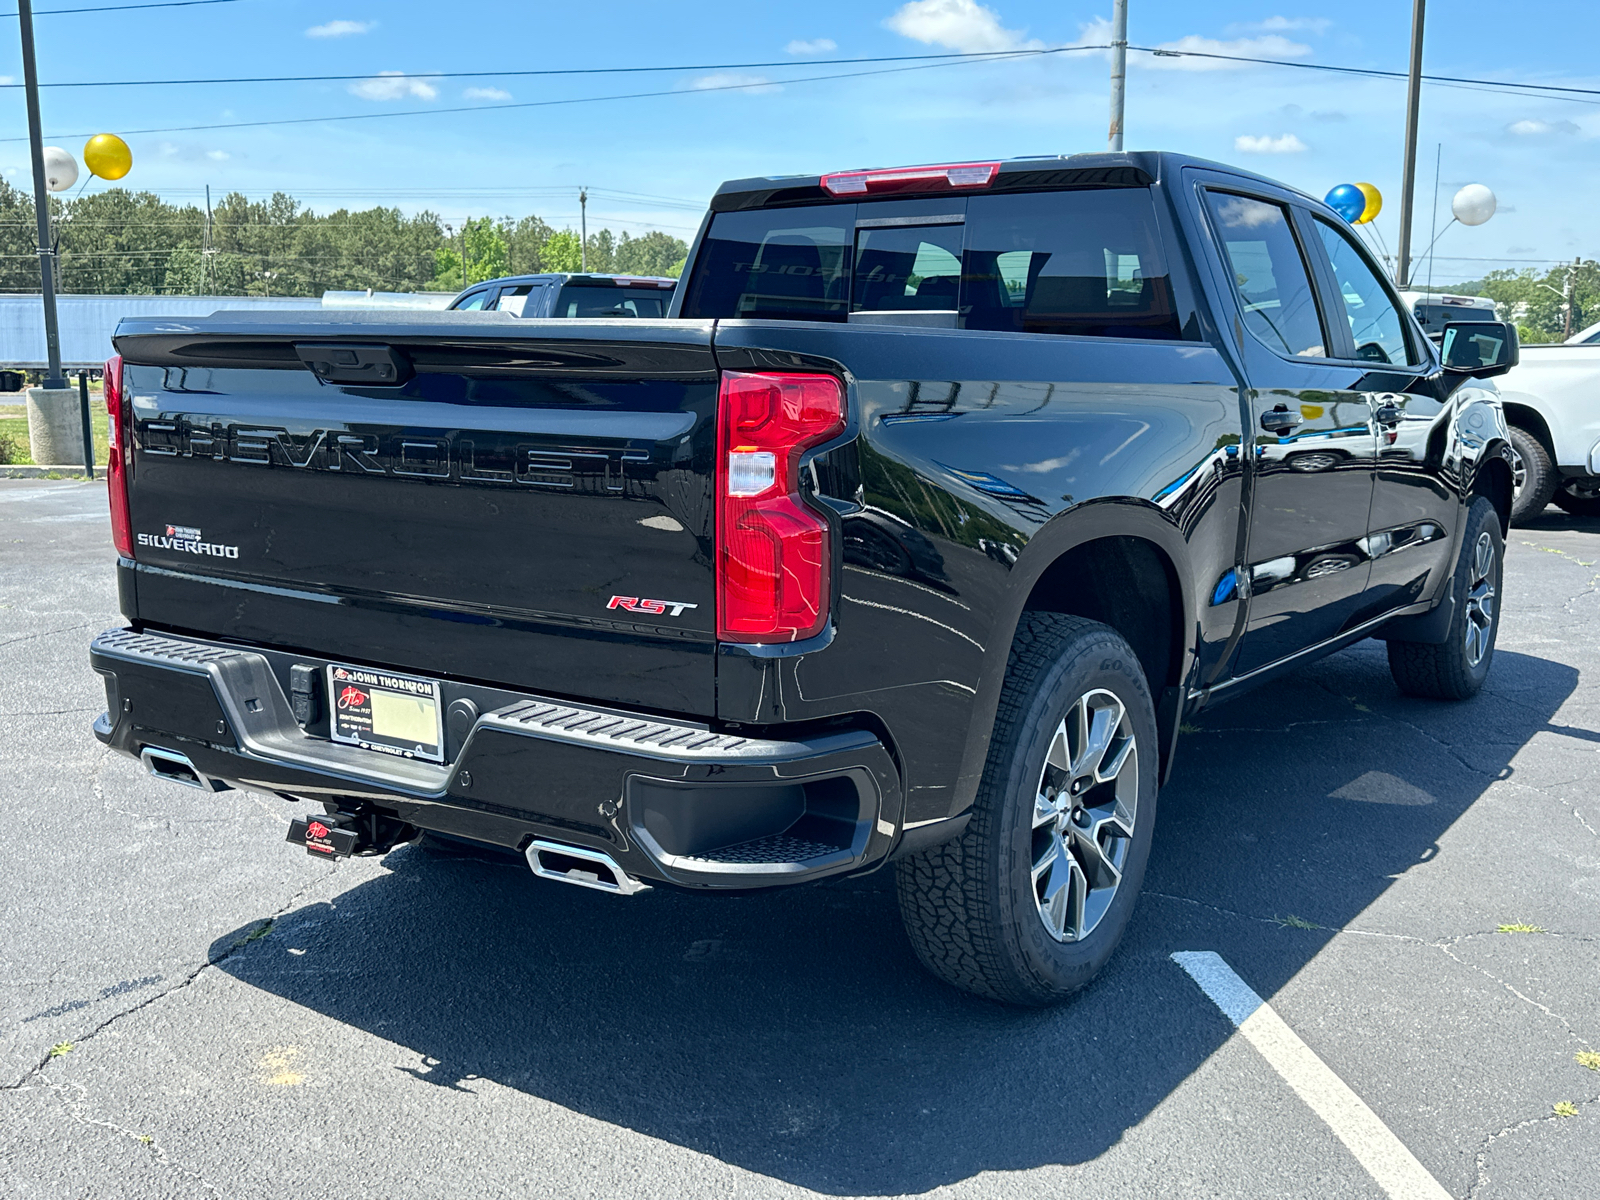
(939, 500)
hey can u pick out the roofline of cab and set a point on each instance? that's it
(1137, 168)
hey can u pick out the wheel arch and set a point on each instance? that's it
(1528, 418)
(1493, 480)
(1074, 565)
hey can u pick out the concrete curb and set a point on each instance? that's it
(13, 471)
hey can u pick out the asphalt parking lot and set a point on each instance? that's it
(233, 1019)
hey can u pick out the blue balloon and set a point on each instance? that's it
(1348, 201)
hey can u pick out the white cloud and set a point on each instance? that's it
(1267, 46)
(335, 29)
(814, 46)
(6, 80)
(218, 155)
(392, 85)
(961, 25)
(724, 80)
(483, 93)
(1316, 25)
(1287, 144)
(1537, 128)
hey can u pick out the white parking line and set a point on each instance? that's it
(1385, 1157)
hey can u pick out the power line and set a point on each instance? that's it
(937, 59)
(423, 112)
(58, 12)
(972, 56)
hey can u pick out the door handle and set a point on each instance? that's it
(1280, 419)
(1388, 413)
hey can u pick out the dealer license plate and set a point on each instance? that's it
(393, 714)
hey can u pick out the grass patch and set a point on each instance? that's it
(1294, 922)
(1520, 928)
(61, 1049)
(14, 434)
(255, 935)
(1564, 1108)
(1188, 727)
(1587, 1058)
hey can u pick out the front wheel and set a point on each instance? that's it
(1028, 904)
(1580, 497)
(1456, 668)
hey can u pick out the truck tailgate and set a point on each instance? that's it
(529, 512)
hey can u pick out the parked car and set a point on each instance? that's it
(560, 295)
(945, 495)
(1552, 404)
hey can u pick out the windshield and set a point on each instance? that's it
(611, 302)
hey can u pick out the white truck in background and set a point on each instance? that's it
(1552, 406)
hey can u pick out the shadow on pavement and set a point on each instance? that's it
(795, 1035)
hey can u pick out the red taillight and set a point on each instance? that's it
(773, 551)
(910, 179)
(119, 461)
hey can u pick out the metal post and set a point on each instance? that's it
(1570, 296)
(583, 230)
(88, 426)
(1409, 174)
(1119, 69)
(41, 201)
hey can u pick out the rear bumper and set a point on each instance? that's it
(669, 800)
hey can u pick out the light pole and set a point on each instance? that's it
(1119, 69)
(583, 230)
(41, 201)
(1409, 173)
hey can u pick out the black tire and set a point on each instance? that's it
(1537, 474)
(1580, 497)
(1456, 668)
(971, 906)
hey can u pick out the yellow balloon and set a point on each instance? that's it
(108, 156)
(1374, 202)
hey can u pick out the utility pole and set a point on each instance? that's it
(41, 202)
(205, 247)
(1570, 297)
(1408, 180)
(1119, 69)
(583, 228)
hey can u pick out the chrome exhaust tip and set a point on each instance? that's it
(176, 768)
(586, 868)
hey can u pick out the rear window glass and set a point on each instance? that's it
(1434, 317)
(611, 302)
(1087, 263)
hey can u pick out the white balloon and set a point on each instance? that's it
(1473, 204)
(60, 169)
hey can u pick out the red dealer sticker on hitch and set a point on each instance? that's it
(393, 714)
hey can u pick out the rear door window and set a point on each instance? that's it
(514, 300)
(1269, 274)
(1086, 263)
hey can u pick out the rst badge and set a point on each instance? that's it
(654, 608)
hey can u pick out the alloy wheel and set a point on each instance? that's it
(1084, 814)
(1480, 599)
(1519, 474)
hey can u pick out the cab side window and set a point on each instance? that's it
(1269, 274)
(1376, 324)
(472, 302)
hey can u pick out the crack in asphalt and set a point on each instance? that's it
(29, 637)
(1446, 946)
(1481, 1159)
(261, 929)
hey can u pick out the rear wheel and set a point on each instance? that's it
(1580, 497)
(1456, 668)
(1533, 476)
(1028, 904)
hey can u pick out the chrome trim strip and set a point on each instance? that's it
(624, 885)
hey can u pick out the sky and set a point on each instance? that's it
(651, 161)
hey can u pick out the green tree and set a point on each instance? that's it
(561, 252)
(653, 254)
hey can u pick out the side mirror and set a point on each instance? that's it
(1480, 348)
